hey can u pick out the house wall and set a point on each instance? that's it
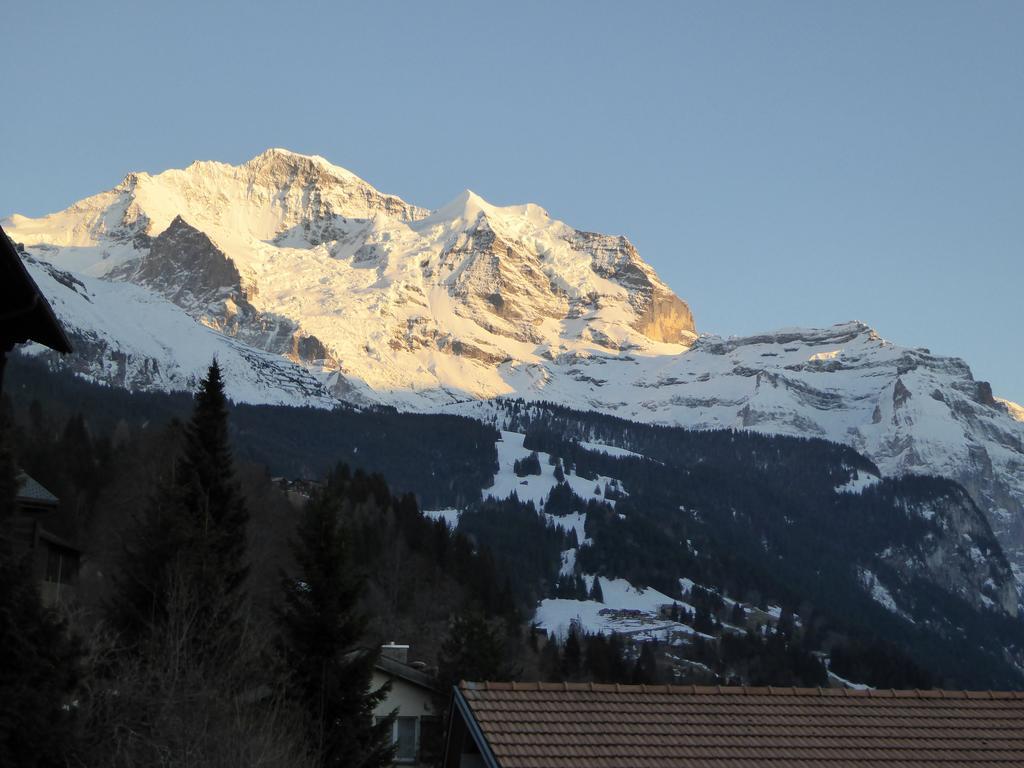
(411, 700)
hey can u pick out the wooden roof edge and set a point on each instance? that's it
(53, 335)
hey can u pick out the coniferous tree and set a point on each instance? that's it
(474, 650)
(551, 661)
(596, 593)
(329, 674)
(38, 672)
(572, 654)
(192, 538)
(208, 491)
(646, 669)
(39, 661)
(703, 621)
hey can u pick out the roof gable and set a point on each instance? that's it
(32, 491)
(405, 672)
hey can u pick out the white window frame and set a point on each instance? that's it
(416, 739)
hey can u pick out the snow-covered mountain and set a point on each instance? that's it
(129, 337)
(301, 258)
(312, 286)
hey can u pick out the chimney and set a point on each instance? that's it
(399, 653)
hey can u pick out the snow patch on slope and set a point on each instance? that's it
(858, 483)
(626, 610)
(535, 488)
(450, 516)
(881, 594)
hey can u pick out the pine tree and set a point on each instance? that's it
(473, 650)
(329, 674)
(619, 670)
(646, 669)
(703, 621)
(39, 661)
(551, 661)
(596, 593)
(572, 655)
(208, 491)
(192, 537)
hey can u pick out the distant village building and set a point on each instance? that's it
(565, 725)
(53, 560)
(417, 726)
(25, 315)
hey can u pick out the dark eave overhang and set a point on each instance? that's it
(25, 315)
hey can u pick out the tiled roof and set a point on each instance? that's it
(406, 672)
(30, 489)
(549, 725)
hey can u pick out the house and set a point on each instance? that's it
(53, 560)
(417, 727)
(25, 315)
(520, 725)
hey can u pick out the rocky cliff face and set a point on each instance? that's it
(184, 266)
(661, 315)
(957, 552)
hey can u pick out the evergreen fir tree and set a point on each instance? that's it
(572, 655)
(329, 674)
(618, 671)
(551, 661)
(192, 537)
(473, 650)
(596, 593)
(646, 669)
(39, 661)
(703, 621)
(580, 590)
(208, 491)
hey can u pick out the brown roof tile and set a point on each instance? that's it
(550, 725)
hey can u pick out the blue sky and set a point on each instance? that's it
(783, 163)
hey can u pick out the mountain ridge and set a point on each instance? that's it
(308, 276)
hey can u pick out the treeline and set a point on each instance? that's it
(291, 442)
(554, 424)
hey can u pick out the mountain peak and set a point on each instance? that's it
(467, 206)
(277, 158)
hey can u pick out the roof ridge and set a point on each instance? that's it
(740, 690)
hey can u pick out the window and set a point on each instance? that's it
(404, 735)
(61, 565)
